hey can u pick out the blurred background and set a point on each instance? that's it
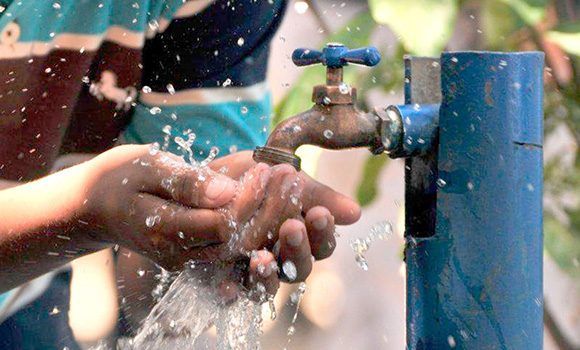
(344, 306)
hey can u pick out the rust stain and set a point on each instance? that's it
(488, 98)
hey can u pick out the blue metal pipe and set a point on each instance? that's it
(418, 129)
(476, 281)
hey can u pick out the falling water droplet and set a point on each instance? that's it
(244, 110)
(170, 89)
(272, 307)
(451, 341)
(301, 7)
(146, 89)
(241, 41)
(213, 152)
(56, 6)
(328, 134)
(362, 262)
(154, 148)
(289, 270)
(150, 221)
(441, 183)
(155, 110)
(140, 272)
(153, 25)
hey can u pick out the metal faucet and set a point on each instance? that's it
(333, 122)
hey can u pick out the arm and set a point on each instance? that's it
(40, 228)
(51, 221)
(4, 184)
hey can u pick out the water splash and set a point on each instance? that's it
(186, 146)
(192, 305)
(188, 303)
(381, 231)
(296, 299)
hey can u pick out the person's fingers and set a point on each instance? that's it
(320, 226)
(251, 192)
(166, 231)
(263, 279)
(345, 210)
(233, 165)
(295, 256)
(197, 187)
(282, 202)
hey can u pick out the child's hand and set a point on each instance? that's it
(295, 222)
(155, 204)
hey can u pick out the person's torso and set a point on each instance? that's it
(72, 72)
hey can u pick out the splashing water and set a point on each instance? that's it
(295, 298)
(189, 303)
(381, 230)
(192, 305)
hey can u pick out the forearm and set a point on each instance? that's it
(41, 226)
(5, 184)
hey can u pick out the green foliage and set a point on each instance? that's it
(567, 35)
(367, 190)
(562, 236)
(530, 11)
(499, 21)
(424, 26)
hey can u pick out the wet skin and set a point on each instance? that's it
(109, 200)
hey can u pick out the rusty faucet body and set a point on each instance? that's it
(334, 122)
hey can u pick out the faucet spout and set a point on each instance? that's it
(336, 126)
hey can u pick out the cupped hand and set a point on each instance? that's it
(155, 204)
(295, 222)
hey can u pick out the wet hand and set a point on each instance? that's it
(302, 230)
(155, 204)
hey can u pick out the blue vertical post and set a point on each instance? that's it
(476, 281)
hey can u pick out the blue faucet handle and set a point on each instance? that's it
(307, 57)
(366, 56)
(337, 56)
